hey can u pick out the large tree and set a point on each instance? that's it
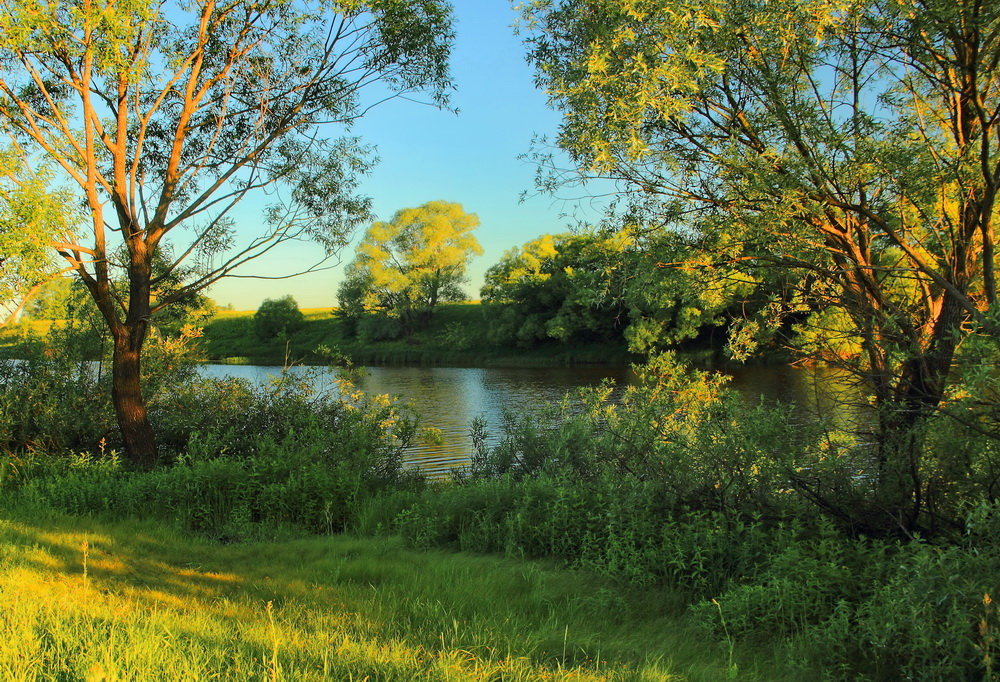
(406, 266)
(163, 115)
(854, 141)
(569, 287)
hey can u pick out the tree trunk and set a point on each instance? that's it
(900, 449)
(903, 421)
(130, 407)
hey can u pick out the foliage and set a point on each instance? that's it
(162, 117)
(278, 317)
(568, 287)
(624, 284)
(406, 267)
(679, 429)
(289, 453)
(871, 610)
(851, 144)
(680, 290)
(56, 396)
(32, 215)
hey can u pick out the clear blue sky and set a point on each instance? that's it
(427, 154)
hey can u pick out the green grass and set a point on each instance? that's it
(85, 599)
(457, 336)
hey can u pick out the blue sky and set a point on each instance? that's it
(428, 154)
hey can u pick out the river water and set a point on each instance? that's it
(449, 398)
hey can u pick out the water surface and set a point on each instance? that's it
(449, 398)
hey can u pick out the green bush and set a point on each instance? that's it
(701, 443)
(278, 317)
(378, 327)
(56, 398)
(284, 454)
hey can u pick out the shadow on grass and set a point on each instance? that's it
(359, 606)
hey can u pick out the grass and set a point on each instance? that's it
(86, 599)
(457, 336)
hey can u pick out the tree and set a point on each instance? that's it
(277, 317)
(569, 287)
(605, 286)
(853, 142)
(405, 267)
(674, 294)
(162, 116)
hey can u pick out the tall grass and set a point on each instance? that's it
(153, 604)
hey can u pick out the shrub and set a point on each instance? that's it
(702, 444)
(277, 317)
(284, 454)
(56, 398)
(379, 327)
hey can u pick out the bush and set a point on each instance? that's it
(284, 454)
(702, 444)
(56, 398)
(277, 317)
(379, 327)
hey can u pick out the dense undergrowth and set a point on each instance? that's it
(677, 483)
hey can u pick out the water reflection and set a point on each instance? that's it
(816, 392)
(449, 398)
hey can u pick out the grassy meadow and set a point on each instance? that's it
(99, 600)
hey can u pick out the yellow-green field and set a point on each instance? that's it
(81, 599)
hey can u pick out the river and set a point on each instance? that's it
(449, 398)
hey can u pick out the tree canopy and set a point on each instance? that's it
(162, 116)
(277, 317)
(569, 287)
(606, 286)
(405, 267)
(852, 142)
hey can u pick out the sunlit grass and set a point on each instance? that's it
(80, 599)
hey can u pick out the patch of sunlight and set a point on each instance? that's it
(24, 585)
(108, 563)
(167, 599)
(42, 558)
(64, 539)
(207, 575)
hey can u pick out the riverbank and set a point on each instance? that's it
(88, 599)
(456, 337)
